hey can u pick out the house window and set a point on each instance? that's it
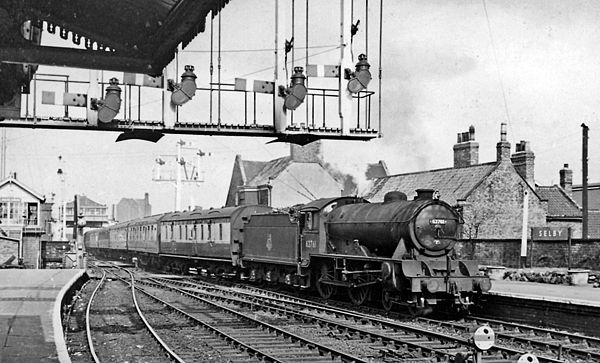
(263, 196)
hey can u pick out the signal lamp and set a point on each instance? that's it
(108, 107)
(360, 78)
(184, 91)
(294, 95)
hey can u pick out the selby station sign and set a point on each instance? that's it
(550, 233)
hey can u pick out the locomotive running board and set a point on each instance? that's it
(346, 283)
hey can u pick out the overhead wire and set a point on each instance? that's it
(508, 120)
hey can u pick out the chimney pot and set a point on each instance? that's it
(466, 150)
(566, 179)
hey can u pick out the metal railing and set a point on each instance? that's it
(218, 105)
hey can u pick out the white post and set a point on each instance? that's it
(169, 109)
(345, 97)
(93, 92)
(178, 180)
(524, 228)
(280, 116)
(63, 234)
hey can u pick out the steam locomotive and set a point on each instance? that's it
(400, 252)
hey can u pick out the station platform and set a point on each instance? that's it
(567, 307)
(30, 314)
(577, 295)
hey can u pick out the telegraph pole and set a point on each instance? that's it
(584, 195)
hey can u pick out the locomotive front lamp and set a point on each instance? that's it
(184, 91)
(484, 285)
(294, 95)
(109, 107)
(360, 78)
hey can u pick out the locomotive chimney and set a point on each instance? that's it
(390, 197)
(424, 194)
(466, 149)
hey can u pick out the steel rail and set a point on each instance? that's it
(277, 298)
(212, 328)
(398, 342)
(294, 337)
(164, 345)
(153, 333)
(87, 318)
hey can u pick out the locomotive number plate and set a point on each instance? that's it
(437, 221)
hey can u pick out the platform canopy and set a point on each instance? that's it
(139, 36)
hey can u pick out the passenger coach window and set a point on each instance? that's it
(220, 231)
(209, 231)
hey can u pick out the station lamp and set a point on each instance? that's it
(294, 95)
(184, 91)
(360, 78)
(109, 107)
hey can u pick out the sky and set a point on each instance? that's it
(446, 65)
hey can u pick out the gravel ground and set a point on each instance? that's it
(118, 333)
(74, 324)
(190, 341)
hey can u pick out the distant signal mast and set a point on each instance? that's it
(173, 168)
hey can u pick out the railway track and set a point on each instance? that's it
(512, 340)
(260, 339)
(116, 328)
(371, 338)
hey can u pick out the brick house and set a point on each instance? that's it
(24, 222)
(129, 209)
(301, 177)
(95, 214)
(489, 195)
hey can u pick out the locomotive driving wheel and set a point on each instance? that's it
(324, 289)
(387, 299)
(359, 294)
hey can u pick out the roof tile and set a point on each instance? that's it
(452, 183)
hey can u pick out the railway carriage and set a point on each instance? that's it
(208, 239)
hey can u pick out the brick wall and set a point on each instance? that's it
(495, 208)
(507, 252)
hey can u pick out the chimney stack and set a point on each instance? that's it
(566, 179)
(466, 149)
(503, 146)
(523, 161)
